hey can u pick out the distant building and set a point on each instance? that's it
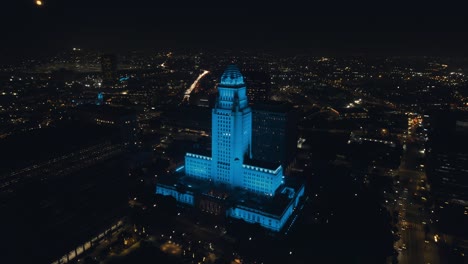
(100, 99)
(353, 113)
(259, 86)
(109, 70)
(201, 100)
(229, 181)
(187, 117)
(274, 132)
(120, 118)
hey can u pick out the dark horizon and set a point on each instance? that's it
(324, 30)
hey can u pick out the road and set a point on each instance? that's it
(194, 85)
(415, 246)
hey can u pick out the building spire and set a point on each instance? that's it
(232, 77)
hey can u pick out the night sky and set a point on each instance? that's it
(334, 28)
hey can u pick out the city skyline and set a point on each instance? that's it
(230, 132)
(367, 124)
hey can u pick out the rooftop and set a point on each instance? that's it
(262, 164)
(274, 205)
(232, 77)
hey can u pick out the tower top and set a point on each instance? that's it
(232, 77)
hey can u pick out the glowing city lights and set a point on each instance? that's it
(194, 85)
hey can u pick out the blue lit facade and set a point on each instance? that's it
(100, 99)
(231, 166)
(231, 142)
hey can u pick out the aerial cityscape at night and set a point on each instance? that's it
(137, 132)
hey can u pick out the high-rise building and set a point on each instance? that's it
(447, 174)
(231, 129)
(230, 181)
(109, 70)
(447, 159)
(274, 129)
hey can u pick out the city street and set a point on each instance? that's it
(414, 246)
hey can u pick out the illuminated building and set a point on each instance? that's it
(100, 99)
(229, 181)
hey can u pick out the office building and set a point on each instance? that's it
(230, 181)
(109, 70)
(447, 159)
(274, 132)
